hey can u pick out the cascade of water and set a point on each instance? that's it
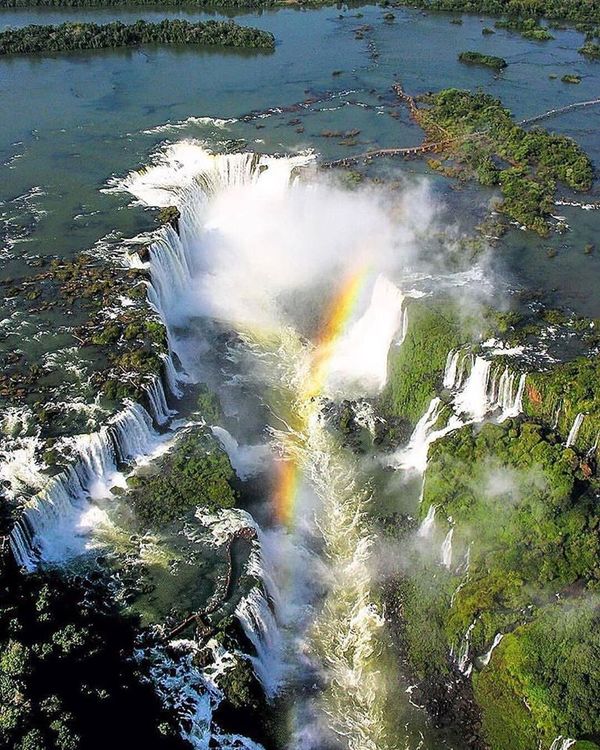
(170, 271)
(171, 376)
(451, 369)
(360, 358)
(54, 523)
(446, 554)
(464, 664)
(507, 398)
(426, 526)
(404, 327)
(247, 460)
(574, 431)
(260, 626)
(473, 398)
(158, 401)
(414, 456)
(562, 743)
(485, 659)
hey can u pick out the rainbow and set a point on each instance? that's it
(332, 327)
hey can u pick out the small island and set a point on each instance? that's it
(478, 58)
(68, 37)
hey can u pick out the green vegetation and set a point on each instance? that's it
(209, 405)
(590, 49)
(529, 28)
(552, 666)
(582, 12)
(197, 472)
(526, 509)
(415, 369)
(477, 58)
(81, 36)
(491, 148)
(68, 678)
(557, 396)
(571, 78)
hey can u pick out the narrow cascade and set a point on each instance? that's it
(562, 743)
(473, 399)
(447, 550)
(574, 431)
(171, 375)
(426, 526)
(414, 456)
(158, 401)
(485, 659)
(260, 626)
(464, 664)
(508, 398)
(247, 460)
(451, 369)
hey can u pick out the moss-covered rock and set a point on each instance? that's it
(415, 369)
(197, 472)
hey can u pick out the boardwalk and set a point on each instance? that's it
(559, 111)
(429, 147)
(220, 596)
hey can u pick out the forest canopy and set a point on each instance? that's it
(81, 36)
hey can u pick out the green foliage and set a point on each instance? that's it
(478, 58)
(68, 679)
(526, 164)
(240, 687)
(552, 665)
(571, 78)
(584, 11)
(416, 368)
(423, 605)
(569, 388)
(590, 49)
(521, 503)
(197, 472)
(209, 405)
(80, 36)
(527, 27)
(514, 490)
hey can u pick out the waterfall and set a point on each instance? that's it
(171, 376)
(562, 743)
(247, 460)
(463, 662)
(260, 626)
(447, 550)
(574, 431)
(158, 401)
(414, 456)
(426, 526)
(485, 659)
(361, 355)
(507, 398)
(404, 327)
(55, 522)
(451, 369)
(473, 399)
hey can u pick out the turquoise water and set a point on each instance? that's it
(72, 121)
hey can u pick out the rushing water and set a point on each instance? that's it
(262, 246)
